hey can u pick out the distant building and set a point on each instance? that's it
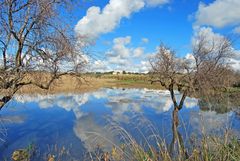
(117, 72)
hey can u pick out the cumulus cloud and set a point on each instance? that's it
(123, 56)
(97, 21)
(119, 53)
(119, 47)
(219, 13)
(144, 67)
(209, 37)
(138, 52)
(234, 61)
(209, 34)
(100, 65)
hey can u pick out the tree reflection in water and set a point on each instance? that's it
(177, 147)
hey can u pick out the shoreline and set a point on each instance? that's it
(84, 84)
(69, 84)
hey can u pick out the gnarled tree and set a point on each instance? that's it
(35, 45)
(204, 73)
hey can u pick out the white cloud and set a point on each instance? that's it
(235, 61)
(219, 13)
(189, 57)
(122, 56)
(97, 21)
(99, 65)
(145, 40)
(138, 52)
(208, 33)
(209, 37)
(117, 60)
(190, 60)
(144, 66)
(235, 64)
(119, 47)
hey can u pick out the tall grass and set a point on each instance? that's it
(151, 147)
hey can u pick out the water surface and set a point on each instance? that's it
(82, 122)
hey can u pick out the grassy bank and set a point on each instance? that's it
(92, 82)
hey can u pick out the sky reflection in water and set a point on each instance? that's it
(81, 121)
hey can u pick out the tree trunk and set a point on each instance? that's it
(175, 116)
(4, 59)
(177, 148)
(18, 60)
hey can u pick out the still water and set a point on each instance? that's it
(81, 122)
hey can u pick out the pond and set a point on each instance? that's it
(80, 123)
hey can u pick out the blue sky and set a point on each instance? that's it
(127, 32)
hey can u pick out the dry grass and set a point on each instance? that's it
(151, 147)
(206, 148)
(86, 83)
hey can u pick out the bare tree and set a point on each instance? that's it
(204, 73)
(35, 45)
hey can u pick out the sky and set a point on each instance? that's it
(126, 33)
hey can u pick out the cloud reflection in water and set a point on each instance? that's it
(91, 109)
